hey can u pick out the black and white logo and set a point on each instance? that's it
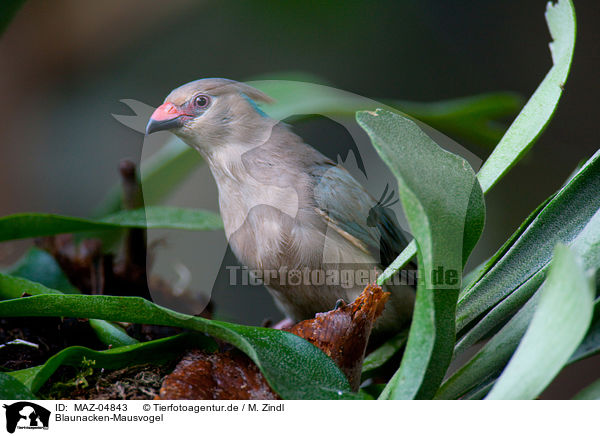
(26, 415)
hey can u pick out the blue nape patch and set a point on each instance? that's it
(254, 105)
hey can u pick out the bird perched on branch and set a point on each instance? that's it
(300, 222)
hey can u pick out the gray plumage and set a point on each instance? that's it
(284, 205)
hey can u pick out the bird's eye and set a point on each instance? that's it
(201, 101)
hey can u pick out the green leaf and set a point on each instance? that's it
(587, 245)
(563, 218)
(439, 193)
(500, 313)
(400, 262)
(157, 351)
(479, 392)
(487, 364)
(586, 242)
(13, 287)
(538, 111)
(28, 225)
(111, 334)
(39, 266)
(292, 366)
(474, 277)
(376, 359)
(562, 317)
(13, 389)
(591, 392)
(591, 343)
(154, 217)
(490, 360)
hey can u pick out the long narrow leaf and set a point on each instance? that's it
(538, 111)
(561, 221)
(559, 323)
(29, 225)
(490, 360)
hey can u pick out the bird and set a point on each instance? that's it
(300, 222)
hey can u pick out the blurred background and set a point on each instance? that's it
(66, 64)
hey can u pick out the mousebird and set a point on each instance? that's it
(301, 223)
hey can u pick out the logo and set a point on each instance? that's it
(26, 415)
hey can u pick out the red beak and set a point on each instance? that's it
(167, 116)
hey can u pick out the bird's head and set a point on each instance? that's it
(207, 113)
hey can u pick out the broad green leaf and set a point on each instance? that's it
(538, 111)
(28, 225)
(561, 318)
(157, 351)
(293, 367)
(13, 389)
(39, 266)
(591, 392)
(560, 221)
(436, 188)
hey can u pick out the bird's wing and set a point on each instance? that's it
(355, 214)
